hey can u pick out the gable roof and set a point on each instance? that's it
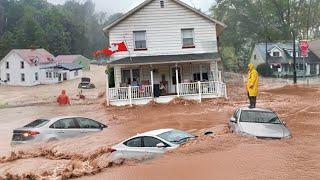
(69, 58)
(69, 66)
(32, 55)
(146, 2)
(314, 46)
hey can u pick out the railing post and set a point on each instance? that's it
(200, 92)
(152, 86)
(130, 95)
(107, 89)
(177, 81)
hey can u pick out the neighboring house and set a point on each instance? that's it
(173, 51)
(280, 58)
(29, 67)
(75, 59)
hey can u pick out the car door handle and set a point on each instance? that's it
(61, 132)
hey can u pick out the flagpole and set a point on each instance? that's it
(125, 42)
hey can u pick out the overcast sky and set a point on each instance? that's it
(113, 6)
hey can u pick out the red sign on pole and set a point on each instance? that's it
(304, 48)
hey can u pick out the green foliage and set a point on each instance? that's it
(252, 21)
(264, 70)
(229, 59)
(72, 28)
(110, 72)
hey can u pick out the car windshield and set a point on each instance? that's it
(259, 117)
(175, 136)
(37, 123)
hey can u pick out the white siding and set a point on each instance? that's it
(259, 59)
(163, 28)
(15, 71)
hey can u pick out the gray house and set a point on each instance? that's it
(280, 58)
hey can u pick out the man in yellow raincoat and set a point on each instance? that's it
(252, 85)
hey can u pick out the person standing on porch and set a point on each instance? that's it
(252, 85)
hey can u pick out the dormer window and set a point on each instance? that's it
(276, 54)
(162, 4)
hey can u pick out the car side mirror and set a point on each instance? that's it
(233, 120)
(161, 145)
(102, 126)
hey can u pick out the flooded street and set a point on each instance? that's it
(222, 156)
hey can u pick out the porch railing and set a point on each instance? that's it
(131, 92)
(203, 88)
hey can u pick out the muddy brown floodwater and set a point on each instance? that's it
(222, 156)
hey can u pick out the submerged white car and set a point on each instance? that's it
(260, 123)
(150, 144)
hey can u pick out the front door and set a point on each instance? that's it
(173, 87)
(64, 76)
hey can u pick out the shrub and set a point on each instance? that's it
(264, 70)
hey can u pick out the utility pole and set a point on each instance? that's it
(294, 58)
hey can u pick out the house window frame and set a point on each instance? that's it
(276, 52)
(134, 40)
(23, 77)
(193, 38)
(7, 65)
(76, 73)
(8, 77)
(162, 4)
(22, 64)
(36, 76)
(132, 77)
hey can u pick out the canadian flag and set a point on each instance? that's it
(115, 47)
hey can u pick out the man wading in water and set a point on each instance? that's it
(63, 99)
(252, 85)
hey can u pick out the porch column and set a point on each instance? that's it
(308, 69)
(107, 88)
(318, 68)
(200, 71)
(177, 81)
(117, 76)
(151, 78)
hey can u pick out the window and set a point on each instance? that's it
(65, 124)
(255, 57)
(128, 73)
(7, 65)
(162, 4)
(36, 76)
(37, 123)
(140, 40)
(187, 38)
(88, 123)
(151, 142)
(276, 54)
(8, 77)
(76, 73)
(259, 117)
(22, 64)
(23, 79)
(136, 142)
(49, 74)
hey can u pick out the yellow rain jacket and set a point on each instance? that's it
(253, 81)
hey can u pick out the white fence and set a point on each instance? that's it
(131, 92)
(200, 89)
(203, 88)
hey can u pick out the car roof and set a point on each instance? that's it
(255, 109)
(62, 117)
(155, 132)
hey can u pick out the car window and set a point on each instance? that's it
(175, 136)
(135, 142)
(259, 117)
(88, 123)
(151, 142)
(37, 123)
(68, 123)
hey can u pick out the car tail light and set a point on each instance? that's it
(111, 150)
(30, 133)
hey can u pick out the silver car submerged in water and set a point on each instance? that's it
(55, 129)
(260, 123)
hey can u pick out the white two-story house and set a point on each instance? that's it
(30, 67)
(172, 52)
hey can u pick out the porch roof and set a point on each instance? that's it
(164, 59)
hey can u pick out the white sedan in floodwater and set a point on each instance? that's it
(260, 123)
(150, 144)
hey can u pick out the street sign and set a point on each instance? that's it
(304, 48)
